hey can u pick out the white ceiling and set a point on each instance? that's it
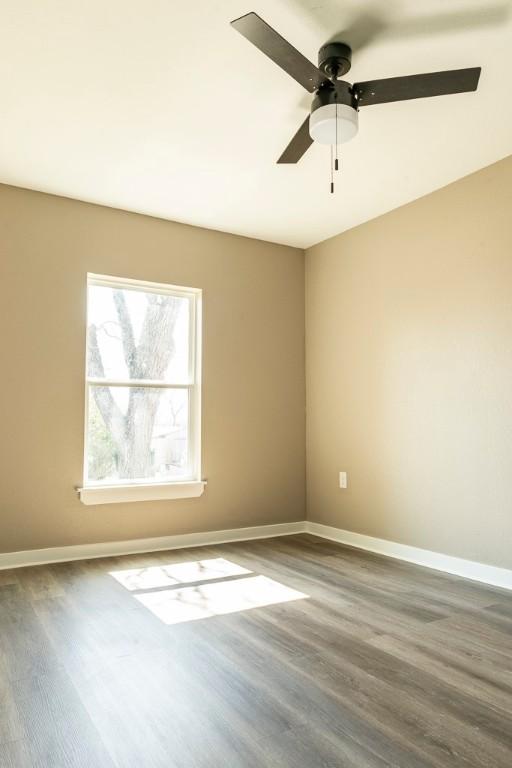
(161, 107)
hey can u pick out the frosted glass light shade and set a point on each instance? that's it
(322, 124)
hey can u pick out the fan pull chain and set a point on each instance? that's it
(336, 166)
(332, 173)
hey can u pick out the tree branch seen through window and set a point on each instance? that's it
(141, 389)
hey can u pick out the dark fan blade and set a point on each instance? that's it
(279, 50)
(300, 143)
(416, 86)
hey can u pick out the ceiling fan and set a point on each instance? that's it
(336, 103)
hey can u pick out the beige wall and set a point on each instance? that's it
(409, 372)
(253, 366)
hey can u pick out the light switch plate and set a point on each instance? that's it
(343, 479)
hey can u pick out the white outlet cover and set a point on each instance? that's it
(343, 479)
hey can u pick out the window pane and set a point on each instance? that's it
(137, 434)
(137, 335)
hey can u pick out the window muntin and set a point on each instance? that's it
(143, 399)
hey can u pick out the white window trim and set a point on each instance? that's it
(184, 487)
(111, 494)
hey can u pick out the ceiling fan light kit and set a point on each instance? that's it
(334, 110)
(334, 117)
(333, 124)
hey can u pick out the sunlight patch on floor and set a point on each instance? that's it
(174, 606)
(177, 573)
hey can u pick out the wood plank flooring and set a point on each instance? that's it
(381, 663)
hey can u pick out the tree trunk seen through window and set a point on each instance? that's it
(148, 359)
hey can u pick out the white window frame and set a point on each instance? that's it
(193, 485)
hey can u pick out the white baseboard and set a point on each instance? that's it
(468, 569)
(136, 546)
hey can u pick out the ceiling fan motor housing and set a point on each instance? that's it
(334, 116)
(335, 59)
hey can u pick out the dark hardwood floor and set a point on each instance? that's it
(363, 661)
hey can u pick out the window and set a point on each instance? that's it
(142, 432)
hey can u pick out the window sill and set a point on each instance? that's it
(112, 494)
